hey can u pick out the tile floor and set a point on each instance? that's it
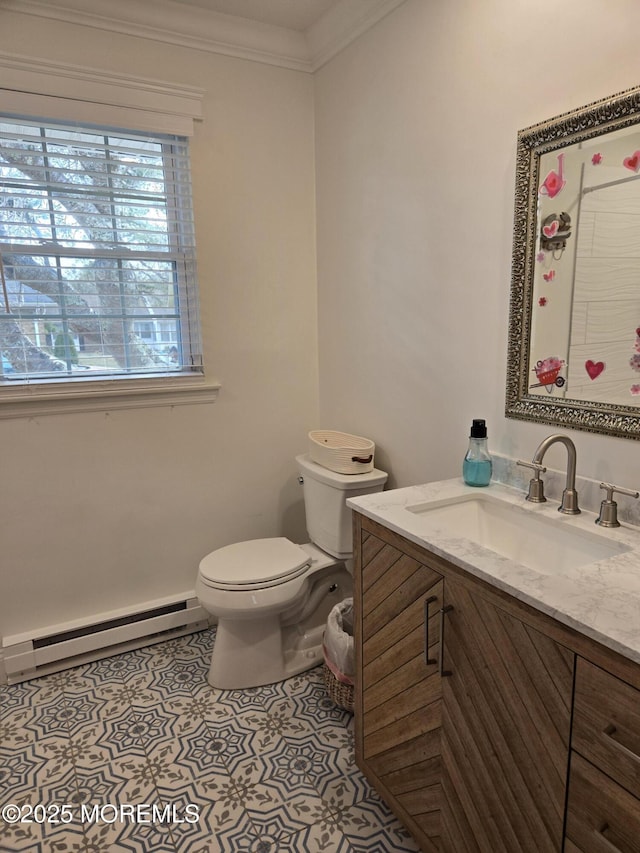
(148, 758)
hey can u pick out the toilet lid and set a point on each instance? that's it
(258, 562)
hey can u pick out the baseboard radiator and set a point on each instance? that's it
(23, 657)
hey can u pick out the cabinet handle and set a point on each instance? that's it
(602, 839)
(609, 733)
(443, 612)
(427, 660)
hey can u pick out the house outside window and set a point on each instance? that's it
(97, 255)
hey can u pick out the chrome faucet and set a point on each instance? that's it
(569, 503)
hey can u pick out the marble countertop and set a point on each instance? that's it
(599, 599)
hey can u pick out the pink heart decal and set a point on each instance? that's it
(552, 229)
(632, 162)
(594, 368)
(549, 276)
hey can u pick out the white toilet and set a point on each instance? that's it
(271, 598)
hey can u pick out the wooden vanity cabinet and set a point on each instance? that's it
(469, 746)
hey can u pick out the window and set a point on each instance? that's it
(97, 255)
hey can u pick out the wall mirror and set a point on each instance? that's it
(574, 322)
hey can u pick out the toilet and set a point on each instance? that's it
(270, 597)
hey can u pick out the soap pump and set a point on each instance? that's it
(477, 465)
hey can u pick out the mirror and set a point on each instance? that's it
(574, 322)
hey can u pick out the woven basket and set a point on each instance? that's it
(341, 452)
(341, 694)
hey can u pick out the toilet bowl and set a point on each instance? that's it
(271, 597)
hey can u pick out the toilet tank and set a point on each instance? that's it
(325, 496)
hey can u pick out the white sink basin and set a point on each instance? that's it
(547, 545)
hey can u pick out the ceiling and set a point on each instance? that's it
(292, 14)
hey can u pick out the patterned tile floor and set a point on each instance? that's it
(147, 758)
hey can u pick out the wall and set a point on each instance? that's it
(416, 127)
(99, 511)
(415, 161)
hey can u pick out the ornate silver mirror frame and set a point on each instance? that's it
(590, 126)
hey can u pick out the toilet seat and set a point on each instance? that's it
(254, 564)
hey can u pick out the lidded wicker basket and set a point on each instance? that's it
(341, 452)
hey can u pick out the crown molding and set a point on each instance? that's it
(168, 22)
(343, 24)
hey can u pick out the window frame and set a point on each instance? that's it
(83, 96)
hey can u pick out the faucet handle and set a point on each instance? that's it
(609, 508)
(539, 469)
(536, 486)
(610, 489)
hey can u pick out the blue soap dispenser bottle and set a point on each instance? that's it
(477, 465)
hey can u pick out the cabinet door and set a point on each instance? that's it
(505, 730)
(398, 718)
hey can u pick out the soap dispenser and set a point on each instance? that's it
(477, 465)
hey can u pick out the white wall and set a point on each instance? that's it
(415, 162)
(99, 511)
(416, 127)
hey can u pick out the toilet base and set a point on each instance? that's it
(252, 652)
(246, 653)
(257, 657)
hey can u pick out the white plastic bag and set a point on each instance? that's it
(338, 641)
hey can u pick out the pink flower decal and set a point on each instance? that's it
(635, 390)
(542, 301)
(596, 159)
(540, 257)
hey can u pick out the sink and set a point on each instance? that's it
(545, 544)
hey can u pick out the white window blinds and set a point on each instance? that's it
(98, 253)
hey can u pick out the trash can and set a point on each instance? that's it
(338, 669)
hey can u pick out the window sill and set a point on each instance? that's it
(82, 395)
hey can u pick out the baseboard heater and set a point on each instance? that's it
(23, 657)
